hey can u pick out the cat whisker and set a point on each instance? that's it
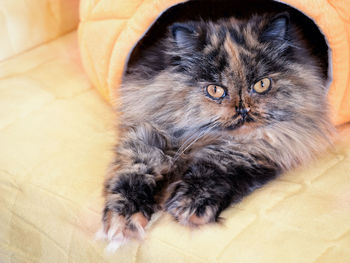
(194, 135)
(208, 127)
(288, 43)
(201, 129)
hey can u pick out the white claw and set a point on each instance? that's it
(140, 230)
(117, 241)
(117, 232)
(101, 234)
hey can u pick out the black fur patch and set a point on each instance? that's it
(138, 193)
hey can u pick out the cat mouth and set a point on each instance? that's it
(240, 121)
(235, 126)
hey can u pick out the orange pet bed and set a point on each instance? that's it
(109, 29)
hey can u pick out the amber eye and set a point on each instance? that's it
(216, 92)
(262, 85)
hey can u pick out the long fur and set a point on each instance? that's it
(172, 133)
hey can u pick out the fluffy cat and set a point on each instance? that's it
(215, 110)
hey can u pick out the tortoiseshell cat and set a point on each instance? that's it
(214, 111)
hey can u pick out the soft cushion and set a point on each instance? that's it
(25, 24)
(109, 29)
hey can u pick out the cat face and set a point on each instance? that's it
(247, 73)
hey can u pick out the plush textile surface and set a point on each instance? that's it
(56, 135)
(26, 23)
(109, 29)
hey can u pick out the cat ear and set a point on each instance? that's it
(184, 34)
(277, 29)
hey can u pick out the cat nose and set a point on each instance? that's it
(242, 111)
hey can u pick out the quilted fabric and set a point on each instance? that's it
(109, 29)
(26, 23)
(55, 137)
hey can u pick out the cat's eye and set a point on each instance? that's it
(215, 91)
(262, 85)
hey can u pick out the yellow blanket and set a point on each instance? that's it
(56, 136)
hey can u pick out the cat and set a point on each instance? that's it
(215, 110)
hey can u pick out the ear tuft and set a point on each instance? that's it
(277, 29)
(184, 34)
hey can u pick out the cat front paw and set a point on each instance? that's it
(119, 227)
(190, 206)
(117, 230)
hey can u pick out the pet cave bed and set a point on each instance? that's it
(110, 29)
